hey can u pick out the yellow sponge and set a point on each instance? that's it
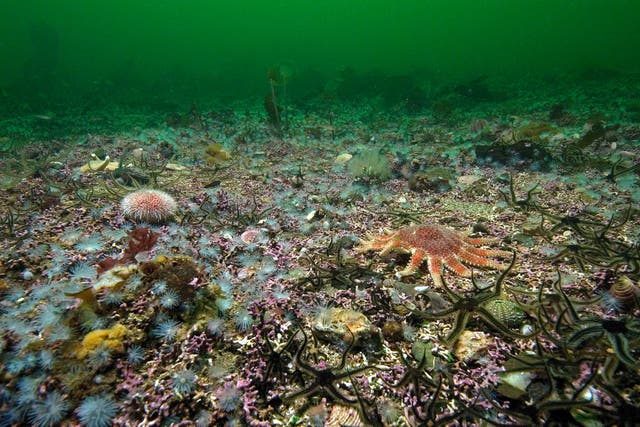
(110, 338)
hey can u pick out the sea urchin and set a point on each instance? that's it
(151, 206)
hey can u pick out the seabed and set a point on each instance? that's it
(252, 306)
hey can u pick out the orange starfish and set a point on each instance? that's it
(440, 246)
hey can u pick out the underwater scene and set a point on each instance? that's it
(331, 213)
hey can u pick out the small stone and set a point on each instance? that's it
(526, 329)
(469, 179)
(99, 165)
(114, 277)
(392, 330)
(421, 350)
(514, 384)
(138, 153)
(174, 167)
(311, 215)
(472, 345)
(342, 325)
(250, 235)
(342, 158)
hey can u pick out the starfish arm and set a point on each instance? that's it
(479, 261)
(485, 252)
(333, 392)
(576, 338)
(461, 322)
(478, 240)
(371, 245)
(416, 259)
(437, 280)
(454, 264)
(302, 393)
(355, 371)
(434, 315)
(620, 345)
(388, 246)
(435, 270)
(435, 265)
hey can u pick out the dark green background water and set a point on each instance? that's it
(197, 48)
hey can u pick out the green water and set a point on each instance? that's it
(178, 50)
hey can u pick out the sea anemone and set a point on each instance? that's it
(609, 302)
(71, 236)
(28, 387)
(166, 329)
(184, 382)
(97, 411)
(223, 304)
(48, 316)
(93, 243)
(243, 320)
(203, 419)
(83, 271)
(225, 283)
(249, 260)
(112, 297)
(266, 270)
(159, 287)
(46, 359)
(169, 299)
(49, 411)
(90, 321)
(59, 333)
(100, 357)
(208, 251)
(280, 293)
(135, 354)
(16, 365)
(408, 332)
(216, 326)
(134, 282)
(389, 412)
(229, 397)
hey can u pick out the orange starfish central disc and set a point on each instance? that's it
(439, 246)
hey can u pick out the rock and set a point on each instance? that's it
(436, 179)
(514, 384)
(519, 154)
(469, 179)
(99, 165)
(341, 325)
(114, 277)
(175, 167)
(342, 158)
(472, 345)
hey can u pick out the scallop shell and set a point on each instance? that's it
(506, 312)
(343, 416)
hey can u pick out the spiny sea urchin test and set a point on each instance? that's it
(439, 246)
(152, 206)
(507, 312)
